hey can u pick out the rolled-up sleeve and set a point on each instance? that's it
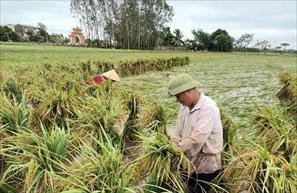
(201, 131)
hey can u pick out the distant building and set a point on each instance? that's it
(76, 36)
(22, 30)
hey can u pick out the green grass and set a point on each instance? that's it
(235, 80)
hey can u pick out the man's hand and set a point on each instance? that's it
(179, 146)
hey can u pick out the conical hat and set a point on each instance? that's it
(111, 75)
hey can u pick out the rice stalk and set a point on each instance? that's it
(275, 129)
(100, 169)
(102, 111)
(34, 161)
(133, 102)
(257, 170)
(56, 106)
(13, 90)
(153, 118)
(14, 115)
(163, 162)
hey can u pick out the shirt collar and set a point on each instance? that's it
(199, 103)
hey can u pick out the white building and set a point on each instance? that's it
(22, 30)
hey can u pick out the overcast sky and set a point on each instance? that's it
(274, 21)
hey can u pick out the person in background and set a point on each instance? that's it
(99, 79)
(198, 132)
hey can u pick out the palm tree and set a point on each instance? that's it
(285, 45)
(177, 38)
(166, 37)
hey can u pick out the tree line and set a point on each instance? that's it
(140, 24)
(42, 36)
(219, 40)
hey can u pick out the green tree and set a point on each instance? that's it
(140, 22)
(42, 32)
(6, 34)
(89, 42)
(33, 37)
(221, 41)
(166, 37)
(126, 23)
(190, 44)
(263, 45)
(56, 38)
(201, 39)
(278, 48)
(177, 38)
(244, 41)
(96, 43)
(66, 40)
(284, 45)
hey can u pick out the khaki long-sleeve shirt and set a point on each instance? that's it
(199, 133)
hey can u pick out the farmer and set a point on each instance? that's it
(99, 79)
(198, 131)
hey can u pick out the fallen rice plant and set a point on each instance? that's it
(288, 93)
(55, 106)
(79, 145)
(255, 169)
(268, 163)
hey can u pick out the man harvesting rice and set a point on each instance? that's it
(198, 131)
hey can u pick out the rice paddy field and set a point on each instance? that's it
(59, 134)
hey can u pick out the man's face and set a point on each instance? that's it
(184, 98)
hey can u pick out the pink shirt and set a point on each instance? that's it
(98, 79)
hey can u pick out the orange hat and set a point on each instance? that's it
(111, 75)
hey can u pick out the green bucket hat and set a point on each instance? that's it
(180, 84)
